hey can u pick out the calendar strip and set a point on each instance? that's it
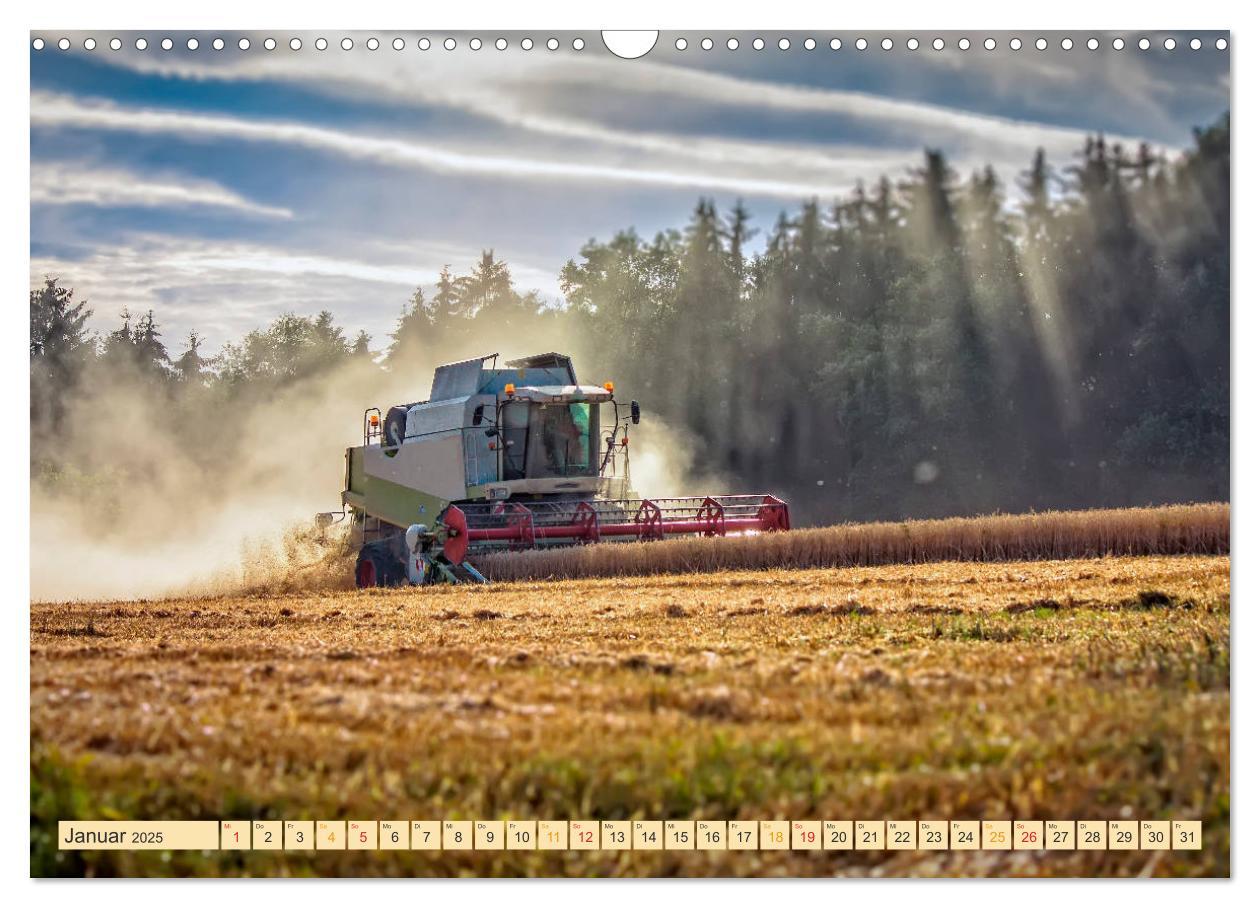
(631, 835)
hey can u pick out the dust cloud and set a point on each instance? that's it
(161, 498)
(214, 491)
(665, 462)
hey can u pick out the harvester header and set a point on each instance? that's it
(506, 458)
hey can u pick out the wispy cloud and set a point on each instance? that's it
(52, 110)
(532, 93)
(67, 183)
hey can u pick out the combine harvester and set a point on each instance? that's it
(511, 458)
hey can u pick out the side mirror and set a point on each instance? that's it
(479, 414)
(491, 433)
(634, 412)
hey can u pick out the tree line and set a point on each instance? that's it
(929, 345)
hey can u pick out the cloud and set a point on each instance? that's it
(535, 94)
(52, 110)
(67, 183)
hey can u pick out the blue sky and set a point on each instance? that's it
(221, 188)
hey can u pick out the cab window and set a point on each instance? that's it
(564, 440)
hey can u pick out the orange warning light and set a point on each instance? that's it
(608, 386)
(509, 389)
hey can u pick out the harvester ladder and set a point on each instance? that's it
(372, 529)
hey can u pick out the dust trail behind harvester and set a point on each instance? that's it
(176, 505)
(142, 496)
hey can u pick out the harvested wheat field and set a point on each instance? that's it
(1051, 689)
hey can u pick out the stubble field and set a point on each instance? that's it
(1095, 688)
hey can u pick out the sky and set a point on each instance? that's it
(222, 188)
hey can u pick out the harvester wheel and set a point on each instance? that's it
(395, 428)
(377, 567)
(365, 574)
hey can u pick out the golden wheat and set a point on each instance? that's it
(1193, 529)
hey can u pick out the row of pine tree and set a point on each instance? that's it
(929, 345)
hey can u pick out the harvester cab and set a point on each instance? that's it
(503, 458)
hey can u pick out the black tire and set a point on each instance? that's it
(395, 428)
(379, 565)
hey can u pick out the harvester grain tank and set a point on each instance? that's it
(508, 458)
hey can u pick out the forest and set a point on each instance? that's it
(935, 344)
